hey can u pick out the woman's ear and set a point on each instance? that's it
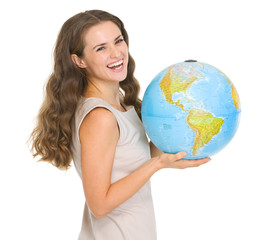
(78, 61)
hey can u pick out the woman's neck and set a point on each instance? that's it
(109, 93)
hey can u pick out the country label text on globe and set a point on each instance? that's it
(191, 107)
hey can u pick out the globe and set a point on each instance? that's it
(192, 107)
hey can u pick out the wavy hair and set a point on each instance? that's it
(52, 136)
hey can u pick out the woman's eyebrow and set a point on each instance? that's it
(118, 37)
(102, 44)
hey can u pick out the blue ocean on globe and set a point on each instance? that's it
(192, 107)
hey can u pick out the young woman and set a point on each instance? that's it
(91, 114)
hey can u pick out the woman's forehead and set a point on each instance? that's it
(101, 33)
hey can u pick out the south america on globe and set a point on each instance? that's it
(192, 107)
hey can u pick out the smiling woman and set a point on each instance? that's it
(91, 114)
(105, 56)
(68, 82)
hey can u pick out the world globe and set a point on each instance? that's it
(192, 107)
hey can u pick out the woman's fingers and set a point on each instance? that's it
(190, 163)
(180, 155)
(177, 161)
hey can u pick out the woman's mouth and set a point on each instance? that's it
(116, 66)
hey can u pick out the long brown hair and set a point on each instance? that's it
(51, 139)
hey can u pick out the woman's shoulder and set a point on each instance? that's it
(101, 115)
(100, 119)
(93, 102)
(86, 105)
(93, 113)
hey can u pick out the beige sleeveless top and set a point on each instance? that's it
(134, 219)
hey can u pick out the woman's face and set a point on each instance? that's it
(105, 56)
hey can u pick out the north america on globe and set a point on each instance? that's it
(192, 107)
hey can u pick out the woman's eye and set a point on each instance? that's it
(100, 49)
(119, 40)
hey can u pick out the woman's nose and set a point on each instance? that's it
(114, 53)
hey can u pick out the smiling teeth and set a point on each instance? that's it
(115, 64)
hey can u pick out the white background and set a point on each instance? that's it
(224, 199)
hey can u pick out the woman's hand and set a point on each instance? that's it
(166, 160)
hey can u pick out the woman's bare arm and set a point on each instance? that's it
(99, 135)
